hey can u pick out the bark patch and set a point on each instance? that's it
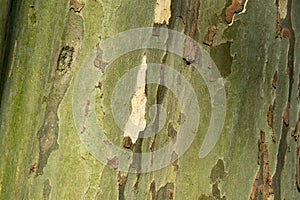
(222, 58)
(165, 192)
(236, 6)
(76, 5)
(217, 175)
(262, 186)
(209, 38)
(270, 119)
(162, 11)
(62, 74)
(47, 189)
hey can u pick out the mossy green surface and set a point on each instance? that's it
(74, 173)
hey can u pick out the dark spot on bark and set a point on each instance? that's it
(275, 80)
(113, 163)
(122, 179)
(218, 172)
(165, 192)
(286, 114)
(270, 116)
(285, 33)
(75, 5)
(296, 131)
(33, 168)
(222, 58)
(65, 59)
(298, 168)
(127, 143)
(152, 187)
(156, 29)
(270, 119)
(172, 133)
(98, 62)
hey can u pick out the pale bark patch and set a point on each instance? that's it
(137, 122)
(162, 11)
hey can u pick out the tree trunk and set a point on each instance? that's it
(244, 66)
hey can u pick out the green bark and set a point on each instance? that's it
(247, 54)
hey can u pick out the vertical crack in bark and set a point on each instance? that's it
(5, 52)
(270, 119)
(287, 23)
(122, 179)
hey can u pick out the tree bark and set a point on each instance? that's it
(255, 47)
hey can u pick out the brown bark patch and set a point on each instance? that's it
(286, 114)
(127, 143)
(265, 188)
(235, 7)
(209, 38)
(98, 62)
(75, 5)
(296, 132)
(275, 80)
(113, 163)
(33, 168)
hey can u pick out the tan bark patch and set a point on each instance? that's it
(138, 105)
(162, 11)
(282, 8)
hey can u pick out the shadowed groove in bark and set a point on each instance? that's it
(287, 22)
(8, 40)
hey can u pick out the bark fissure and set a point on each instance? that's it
(286, 23)
(5, 52)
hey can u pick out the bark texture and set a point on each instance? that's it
(255, 45)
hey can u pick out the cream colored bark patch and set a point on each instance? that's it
(162, 11)
(137, 122)
(282, 8)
